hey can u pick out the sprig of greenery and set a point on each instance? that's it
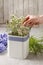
(35, 45)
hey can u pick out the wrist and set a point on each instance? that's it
(40, 19)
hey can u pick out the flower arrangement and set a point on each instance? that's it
(18, 37)
(16, 28)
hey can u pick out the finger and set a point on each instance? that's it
(26, 22)
(30, 24)
(37, 23)
(29, 21)
(26, 18)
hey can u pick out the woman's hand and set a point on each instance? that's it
(31, 20)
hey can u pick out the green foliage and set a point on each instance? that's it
(16, 28)
(35, 45)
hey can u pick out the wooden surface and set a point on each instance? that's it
(25, 7)
(20, 8)
(1, 11)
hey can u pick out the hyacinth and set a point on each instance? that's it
(3, 42)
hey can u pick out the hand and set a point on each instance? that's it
(31, 20)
